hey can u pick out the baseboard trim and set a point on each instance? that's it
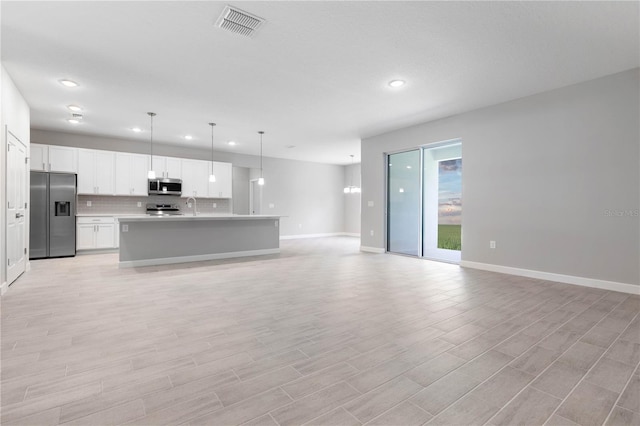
(3, 288)
(352, 234)
(372, 249)
(85, 252)
(550, 276)
(295, 237)
(195, 258)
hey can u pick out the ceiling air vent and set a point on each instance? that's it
(239, 22)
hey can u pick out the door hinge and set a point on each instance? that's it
(26, 160)
(25, 205)
(25, 250)
(8, 147)
(8, 262)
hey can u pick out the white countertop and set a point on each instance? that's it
(191, 217)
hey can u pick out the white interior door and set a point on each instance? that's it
(16, 211)
(255, 197)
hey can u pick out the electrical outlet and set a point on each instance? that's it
(88, 203)
(125, 228)
(371, 232)
(370, 203)
(492, 244)
(271, 205)
(215, 205)
(139, 204)
(300, 225)
(189, 205)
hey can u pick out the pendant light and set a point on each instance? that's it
(351, 189)
(152, 173)
(212, 177)
(261, 179)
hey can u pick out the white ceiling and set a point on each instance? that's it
(316, 74)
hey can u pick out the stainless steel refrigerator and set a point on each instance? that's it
(53, 215)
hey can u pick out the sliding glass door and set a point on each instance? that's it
(424, 202)
(404, 195)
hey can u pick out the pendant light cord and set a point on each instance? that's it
(261, 133)
(151, 115)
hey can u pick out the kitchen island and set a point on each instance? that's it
(148, 240)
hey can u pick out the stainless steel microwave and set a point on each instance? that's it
(165, 186)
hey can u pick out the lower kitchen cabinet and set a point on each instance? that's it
(95, 233)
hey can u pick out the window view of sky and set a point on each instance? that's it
(450, 192)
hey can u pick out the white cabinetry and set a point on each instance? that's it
(222, 187)
(195, 178)
(95, 233)
(131, 174)
(167, 167)
(96, 172)
(53, 158)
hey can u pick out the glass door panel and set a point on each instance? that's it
(404, 199)
(442, 215)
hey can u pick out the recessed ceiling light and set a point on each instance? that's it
(396, 83)
(290, 146)
(68, 83)
(136, 129)
(188, 137)
(73, 120)
(74, 108)
(232, 143)
(408, 167)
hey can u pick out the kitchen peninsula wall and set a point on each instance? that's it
(111, 205)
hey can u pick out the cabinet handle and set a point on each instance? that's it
(44, 167)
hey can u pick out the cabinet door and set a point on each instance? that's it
(86, 172)
(105, 236)
(85, 236)
(226, 175)
(173, 168)
(63, 159)
(139, 170)
(116, 233)
(195, 178)
(104, 172)
(201, 182)
(38, 157)
(188, 178)
(222, 186)
(123, 174)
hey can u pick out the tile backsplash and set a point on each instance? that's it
(105, 204)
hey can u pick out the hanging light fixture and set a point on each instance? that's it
(212, 177)
(261, 179)
(351, 189)
(152, 173)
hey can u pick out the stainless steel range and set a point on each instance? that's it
(163, 209)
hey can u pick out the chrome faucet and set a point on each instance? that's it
(195, 205)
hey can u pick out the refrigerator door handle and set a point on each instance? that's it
(19, 215)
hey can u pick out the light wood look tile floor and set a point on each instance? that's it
(321, 335)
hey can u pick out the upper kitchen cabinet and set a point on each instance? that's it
(96, 171)
(167, 167)
(222, 187)
(53, 158)
(131, 174)
(195, 178)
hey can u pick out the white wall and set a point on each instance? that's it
(545, 176)
(14, 114)
(352, 201)
(308, 195)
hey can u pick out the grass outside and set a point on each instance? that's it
(450, 237)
